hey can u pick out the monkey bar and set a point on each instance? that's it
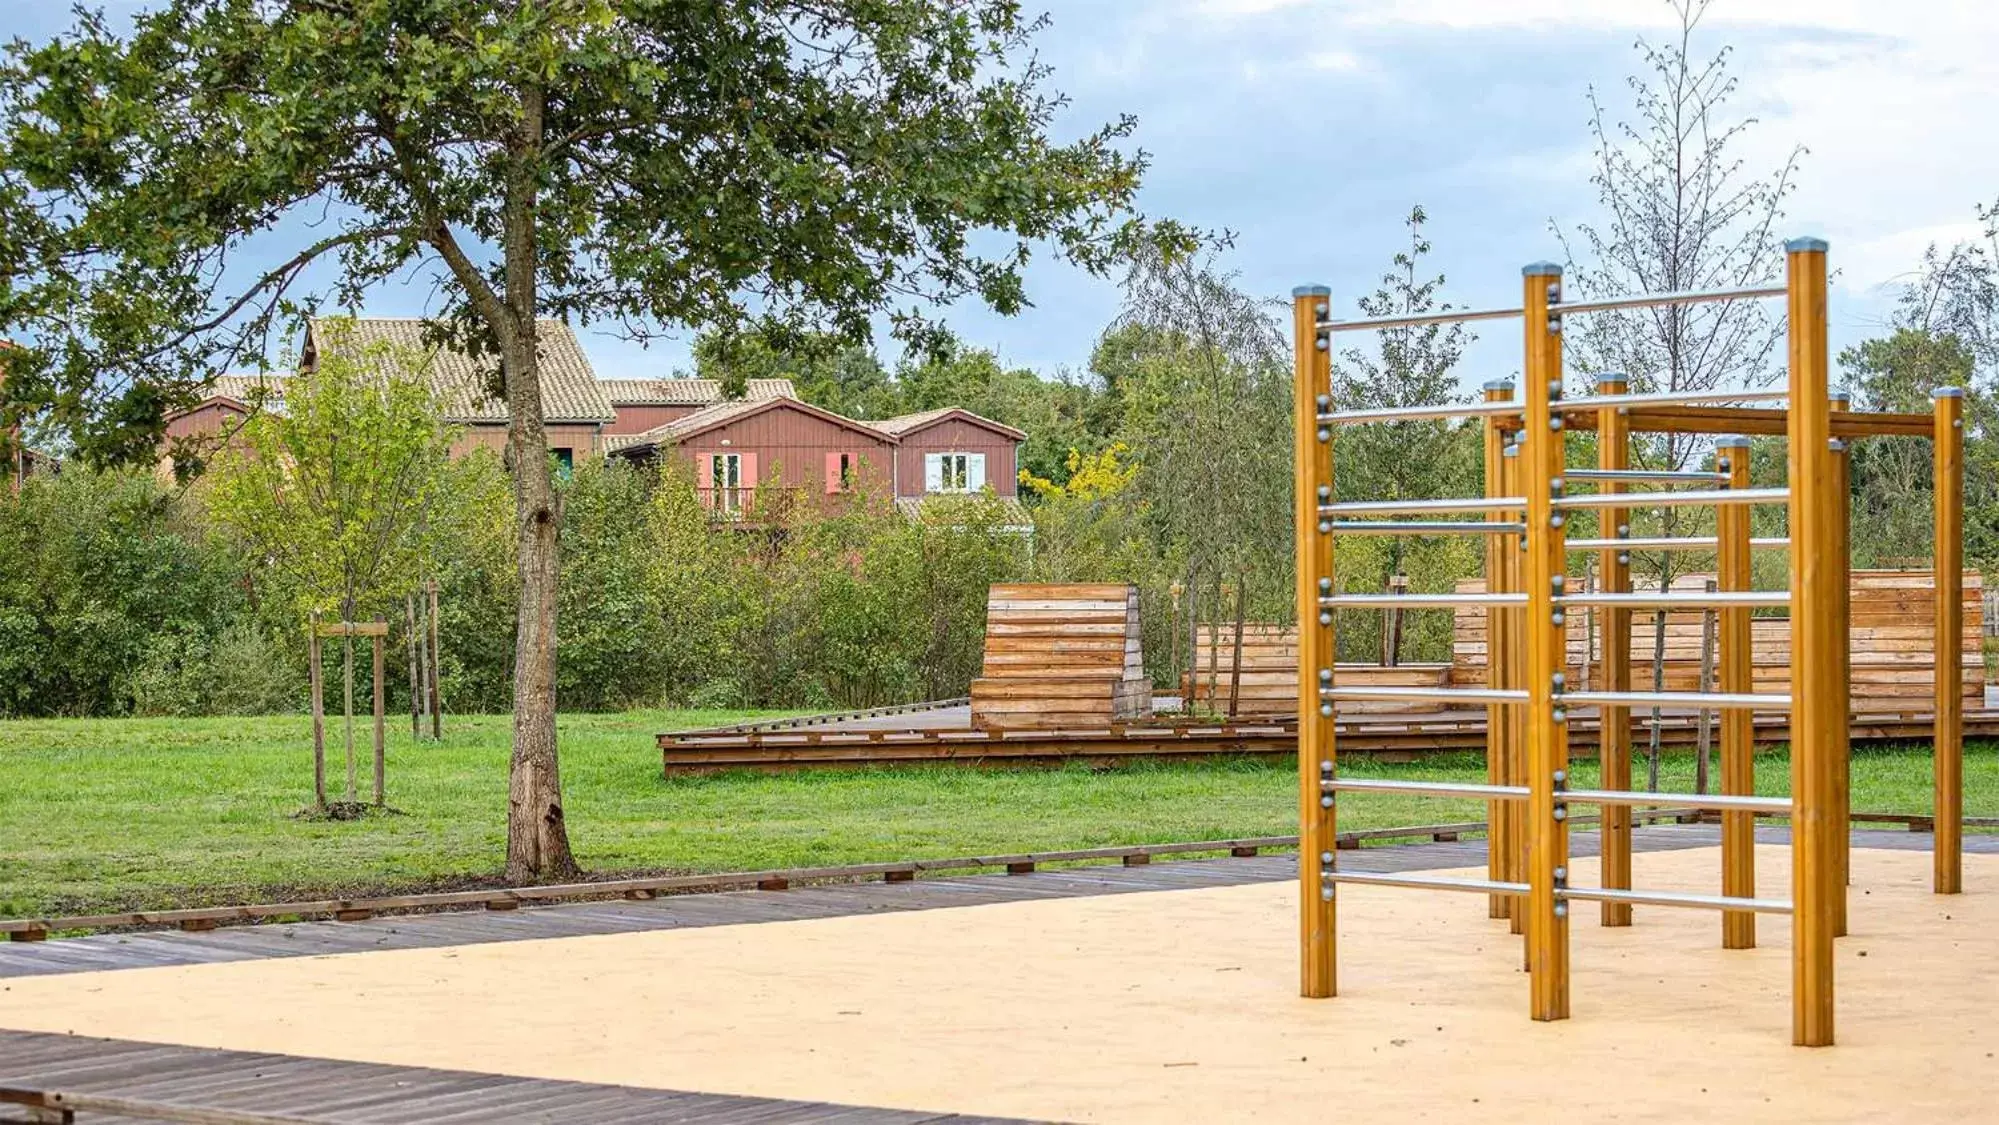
(1526, 506)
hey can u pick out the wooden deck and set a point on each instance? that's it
(230, 1087)
(946, 734)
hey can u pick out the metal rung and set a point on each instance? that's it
(1425, 694)
(1472, 790)
(1711, 700)
(1645, 476)
(1418, 601)
(1414, 320)
(1423, 882)
(1674, 499)
(1674, 898)
(1425, 527)
(1407, 507)
(1690, 599)
(1665, 543)
(1645, 300)
(1665, 398)
(1418, 413)
(1719, 801)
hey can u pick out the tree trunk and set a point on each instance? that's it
(537, 835)
(1704, 736)
(1658, 684)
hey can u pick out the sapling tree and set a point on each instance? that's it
(1681, 212)
(335, 489)
(172, 195)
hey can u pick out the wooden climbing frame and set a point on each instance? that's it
(1532, 495)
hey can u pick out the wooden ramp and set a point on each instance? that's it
(1061, 656)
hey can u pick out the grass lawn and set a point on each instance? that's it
(147, 813)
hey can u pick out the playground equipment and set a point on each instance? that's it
(1531, 496)
(1061, 656)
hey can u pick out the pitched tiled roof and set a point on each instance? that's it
(908, 423)
(569, 388)
(688, 392)
(268, 386)
(720, 413)
(941, 507)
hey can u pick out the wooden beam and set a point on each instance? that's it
(1509, 649)
(1760, 421)
(354, 629)
(1738, 733)
(1312, 458)
(1613, 444)
(1814, 635)
(1948, 458)
(1839, 511)
(1541, 461)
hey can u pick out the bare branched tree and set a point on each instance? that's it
(1682, 213)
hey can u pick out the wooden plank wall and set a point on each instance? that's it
(1894, 662)
(1061, 656)
(1893, 653)
(1270, 674)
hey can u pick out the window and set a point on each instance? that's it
(726, 481)
(565, 462)
(954, 472)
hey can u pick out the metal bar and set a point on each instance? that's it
(1645, 476)
(1643, 300)
(1418, 601)
(1425, 527)
(1691, 599)
(1418, 413)
(1423, 882)
(1666, 398)
(1662, 543)
(1406, 507)
(1675, 499)
(1690, 699)
(1433, 789)
(1633, 797)
(1414, 320)
(1675, 898)
(1425, 694)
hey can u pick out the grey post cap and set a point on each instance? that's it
(1498, 385)
(1540, 269)
(1839, 394)
(1312, 291)
(1808, 242)
(1509, 450)
(1732, 441)
(1612, 377)
(1947, 392)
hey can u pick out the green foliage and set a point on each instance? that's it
(796, 167)
(614, 637)
(106, 594)
(333, 490)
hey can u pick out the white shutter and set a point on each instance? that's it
(933, 472)
(975, 471)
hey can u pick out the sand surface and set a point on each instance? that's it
(1171, 1006)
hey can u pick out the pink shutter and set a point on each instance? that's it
(833, 473)
(704, 481)
(749, 471)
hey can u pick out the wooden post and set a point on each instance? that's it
(318, 714)
(435, 693)
(1541, 464)
(1839, 500)
(1738, 726)
(381, 716)
(1815, 637)
(1497, 813)
(416, 677)
(1511, 656)
(1312, 457)
(1948, 455)
(1613, 445)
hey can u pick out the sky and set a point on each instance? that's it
(1308, 129)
